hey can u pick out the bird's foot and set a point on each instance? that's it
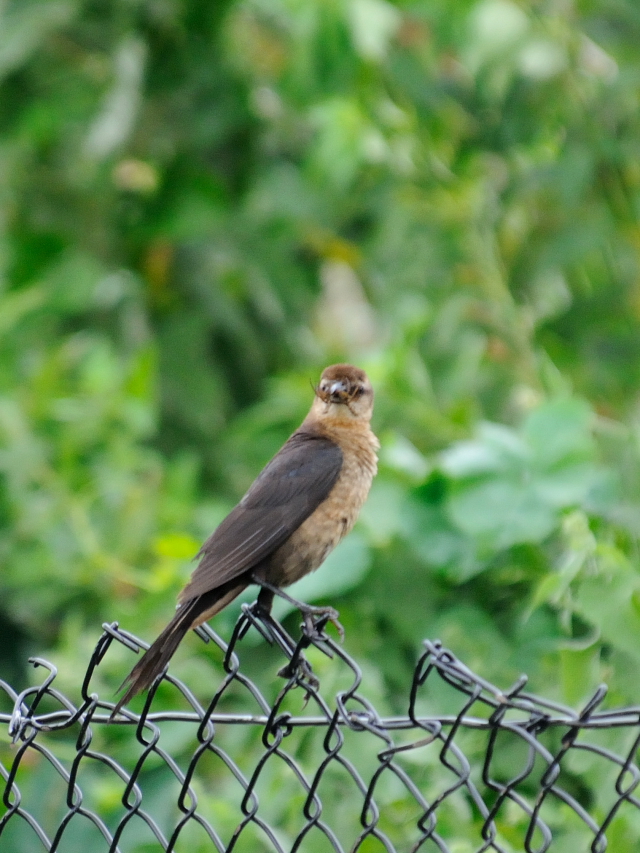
(273, 632)
(299, 667)
(315, 619)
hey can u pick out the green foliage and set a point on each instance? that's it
(204, 203)
(512, 487)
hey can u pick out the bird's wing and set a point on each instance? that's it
(286, 492)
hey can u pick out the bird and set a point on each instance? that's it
(301, 505)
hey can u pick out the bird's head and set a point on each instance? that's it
(344, 392)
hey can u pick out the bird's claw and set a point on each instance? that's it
(300, 667)
(316, 619)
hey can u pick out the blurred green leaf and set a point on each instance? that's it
(510, 486)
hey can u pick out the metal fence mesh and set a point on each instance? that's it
(469, 767)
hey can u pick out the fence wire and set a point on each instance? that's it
(316, 767)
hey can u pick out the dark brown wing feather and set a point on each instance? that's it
(286, 492)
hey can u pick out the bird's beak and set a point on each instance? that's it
(338, 391)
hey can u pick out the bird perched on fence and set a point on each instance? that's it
(297, 510)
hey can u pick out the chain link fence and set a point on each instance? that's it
(467, 768)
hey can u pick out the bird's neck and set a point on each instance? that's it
(352, 435)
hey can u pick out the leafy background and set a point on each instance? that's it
(202, 204)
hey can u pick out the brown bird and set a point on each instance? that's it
(297, 510)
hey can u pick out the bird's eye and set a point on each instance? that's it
(358, 391)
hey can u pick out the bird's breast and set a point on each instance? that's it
(318, 535)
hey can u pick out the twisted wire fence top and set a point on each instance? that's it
(468, 767)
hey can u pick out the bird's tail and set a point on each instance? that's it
(157, 656)
(190, 614)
